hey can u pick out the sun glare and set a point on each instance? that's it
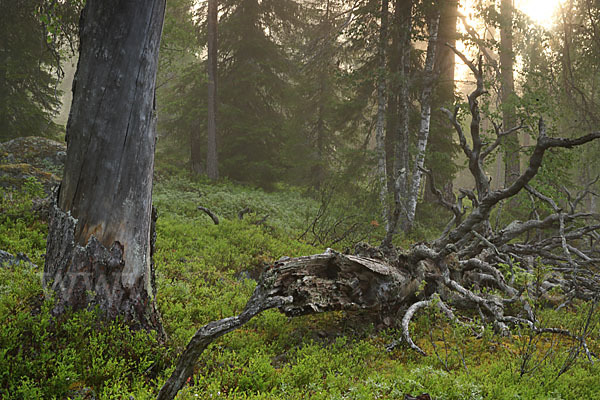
(540, 11)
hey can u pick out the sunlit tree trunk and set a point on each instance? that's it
(440, 151)
(511, 154)
(100, 240)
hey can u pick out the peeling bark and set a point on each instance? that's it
(425, 121)
(94, 275)
(100, 234)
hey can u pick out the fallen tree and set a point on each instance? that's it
(449, 271)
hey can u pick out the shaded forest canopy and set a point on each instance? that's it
(411, 186)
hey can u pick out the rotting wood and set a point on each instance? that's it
(306, 285)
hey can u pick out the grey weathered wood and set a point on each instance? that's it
(305, 285)
(211, 214)
(99, 243)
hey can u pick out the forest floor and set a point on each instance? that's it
(205, 272)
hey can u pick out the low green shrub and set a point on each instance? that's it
(21, 230)
(206, 272)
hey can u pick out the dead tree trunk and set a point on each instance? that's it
(100, 240)
(307, 285)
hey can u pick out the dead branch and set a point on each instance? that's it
(211, 214)
(500, 135)
(262, 220)
(243, 212)
(304, 285)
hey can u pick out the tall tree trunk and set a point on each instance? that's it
(441, 140)
(100, 240)
(381, 100)
(404, 19)
(425, 121)
(212, 162)
(511, 154)
(318, 170)
(401, 156)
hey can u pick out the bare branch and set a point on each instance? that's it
(480, 43)
(454, 207)
(211, 214)
(488, 201)
(499, 136)
(461, 135)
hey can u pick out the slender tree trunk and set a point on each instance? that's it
(320, 142)
(392, 104)
(425, 121)
(100, 240)
(441, 140)
(212, 162)
(401, 156)
(381, 100)
(511, 154)
(320, 130)
(404, 18)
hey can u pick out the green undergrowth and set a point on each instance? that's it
(207, 272)
(21, 229)
(285, 210)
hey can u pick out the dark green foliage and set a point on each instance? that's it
(181, 83)
(32, 34)
(292, 99)
(254, 89)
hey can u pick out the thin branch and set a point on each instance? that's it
(212, 215)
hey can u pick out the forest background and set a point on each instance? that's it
(319, 118)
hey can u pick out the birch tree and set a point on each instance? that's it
(425, 123)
